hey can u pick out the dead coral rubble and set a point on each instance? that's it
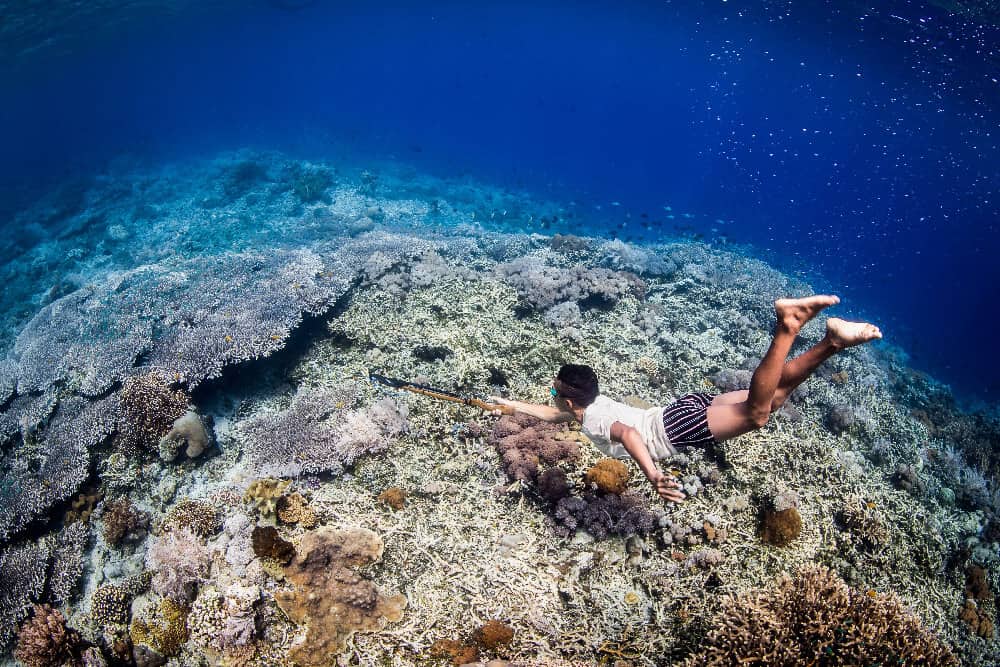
(330, 597)
(814, 618)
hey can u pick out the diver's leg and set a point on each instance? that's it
(840, 334)
(728, 420)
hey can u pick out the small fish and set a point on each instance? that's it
(616, 203)
(871, 505)
(667, 208)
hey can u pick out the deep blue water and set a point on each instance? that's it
(857, 147)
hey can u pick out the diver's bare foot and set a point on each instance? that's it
(842, 333)
(793, 313)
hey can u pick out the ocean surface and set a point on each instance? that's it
(219, 217)
(848, 142)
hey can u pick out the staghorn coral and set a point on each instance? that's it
(814, 618)
(179, 561)
(330, 597)
(457, 652)
(609, 476)
(317, 434)
(120, 519)
(198, 516)
(860, 518)
(45, 641)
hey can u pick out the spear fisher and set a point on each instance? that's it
(439, 394)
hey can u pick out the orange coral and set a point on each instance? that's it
(977, 619)
(780, 528)
(330, 597)
(609, 475)
(394, 497)
(456, 651)
(493, 634)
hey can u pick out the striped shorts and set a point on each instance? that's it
(686, 421)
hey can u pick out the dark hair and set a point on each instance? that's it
(578, 383)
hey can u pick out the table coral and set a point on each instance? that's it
(330, 597)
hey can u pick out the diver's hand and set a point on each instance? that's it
(667, 487)
(499, 400)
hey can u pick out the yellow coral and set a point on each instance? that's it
(165, 631)
(264, 494)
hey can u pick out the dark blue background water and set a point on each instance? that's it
(859, 145)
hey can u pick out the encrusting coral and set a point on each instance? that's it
(814, 618)
(492, 634)
(267, 543)
(163, 630)
(330, 597)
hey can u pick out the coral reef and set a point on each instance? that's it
(393, 497)
(815, 618)
(162, 629)
(318, 434)
(197, 516)
(149, 408)
(179, 561)
(330, 597)
(608, 475)
(525, 442)
(187, 431)
(45, 641)
(264, 494)
(602, 515)
(542, 287)
(121, 518)
(267, 543)
(221, 620)
(493, 634)
(294, 509)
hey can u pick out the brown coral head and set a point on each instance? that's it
(456, 651)
(267, 543)
(394, 497)
(609, 475)
(781, 528)
(44, 640)
(492, 634)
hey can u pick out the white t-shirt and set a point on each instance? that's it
(603, 412)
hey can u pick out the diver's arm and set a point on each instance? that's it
(543, 412)
(666, 487)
